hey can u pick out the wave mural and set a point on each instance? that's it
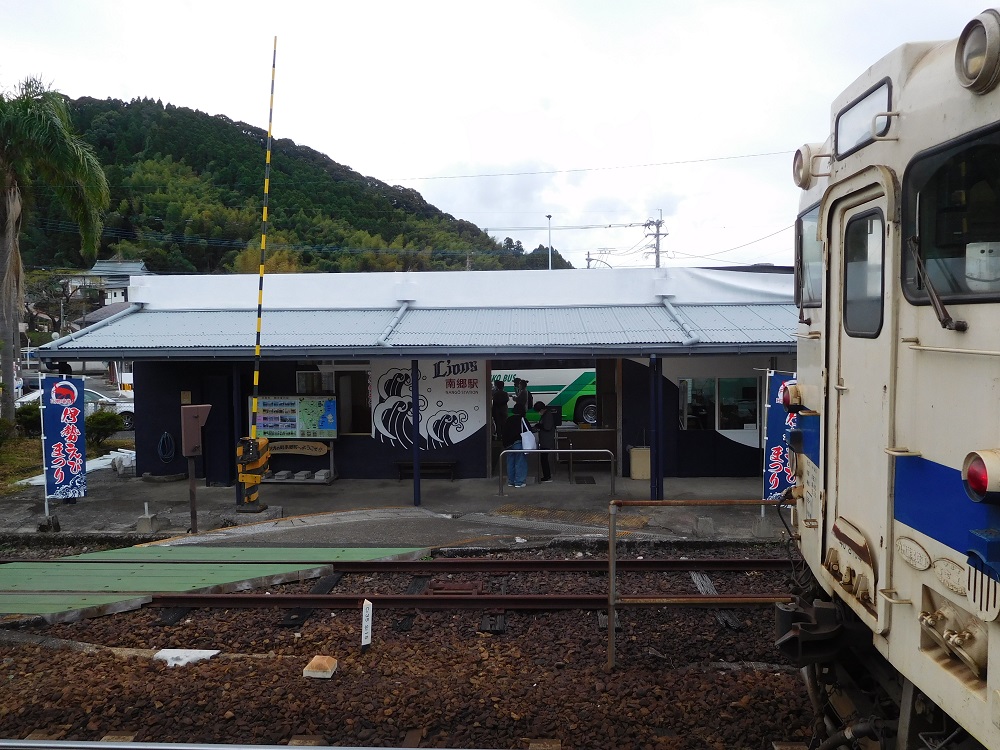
(452, 403)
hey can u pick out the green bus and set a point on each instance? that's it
(574, 390)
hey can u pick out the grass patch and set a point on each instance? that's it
(21, 458)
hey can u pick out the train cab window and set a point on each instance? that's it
(862, 121)
(951, 211)
(808, 260)
(864, 243)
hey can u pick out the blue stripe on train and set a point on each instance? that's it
(931, 499)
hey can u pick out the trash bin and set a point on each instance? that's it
(638, 459)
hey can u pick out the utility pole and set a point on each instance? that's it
(549, 217)
(658, 224)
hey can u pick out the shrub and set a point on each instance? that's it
(29, 419)
(101, 425)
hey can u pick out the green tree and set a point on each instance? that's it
(37, 143)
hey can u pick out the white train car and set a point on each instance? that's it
(897, 497)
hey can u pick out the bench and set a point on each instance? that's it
(427, 469)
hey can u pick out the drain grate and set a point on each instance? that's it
(586, 480)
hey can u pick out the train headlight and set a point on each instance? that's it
(981, 476)
(802, 165)
(977, 56)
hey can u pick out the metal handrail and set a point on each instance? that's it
(610, 456)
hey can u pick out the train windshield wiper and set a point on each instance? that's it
(939, 309)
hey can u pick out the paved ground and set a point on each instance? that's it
(467, 512)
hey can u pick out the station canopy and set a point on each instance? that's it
(633, 312)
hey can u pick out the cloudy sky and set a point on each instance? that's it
(600, 114)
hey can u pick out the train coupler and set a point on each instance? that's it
(808, 633)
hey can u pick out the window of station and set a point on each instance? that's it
(737, 403)
(864, 242)
(697, 403)
(730, 403)
(351, 386)
(951, 213)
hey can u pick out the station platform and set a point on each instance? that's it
(345, 520)
(386, 512)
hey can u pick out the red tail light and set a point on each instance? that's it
(981, 476)
(978, 477)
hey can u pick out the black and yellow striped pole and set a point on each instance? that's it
(252, 453)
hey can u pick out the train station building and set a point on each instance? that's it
(680, 356)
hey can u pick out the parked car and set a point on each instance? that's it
(92, 401)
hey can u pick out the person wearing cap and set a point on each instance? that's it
(521, 395)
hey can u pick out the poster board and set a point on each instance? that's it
(296, 417)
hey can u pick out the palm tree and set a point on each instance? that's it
(37, 142)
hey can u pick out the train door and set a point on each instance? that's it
(860, 390)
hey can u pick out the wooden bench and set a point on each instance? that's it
(427, 469)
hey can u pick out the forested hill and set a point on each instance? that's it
(187, 191)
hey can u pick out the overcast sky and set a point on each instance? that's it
(597, 113)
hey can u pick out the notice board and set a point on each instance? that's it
(296, 417)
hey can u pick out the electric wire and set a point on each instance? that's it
(677, 162)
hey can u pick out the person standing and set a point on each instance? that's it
(521, 395)
(499, 407)
(517, 462)
(549, 418)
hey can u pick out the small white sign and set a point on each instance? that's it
(366, 624)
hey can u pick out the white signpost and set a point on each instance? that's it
(366, 625)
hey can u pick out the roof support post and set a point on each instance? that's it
(655, 417)
(415, 398)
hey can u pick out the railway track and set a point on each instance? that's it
(433, 676)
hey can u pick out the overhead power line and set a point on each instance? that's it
(565, 226)
(599, 169)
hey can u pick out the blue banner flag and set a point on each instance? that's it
(779, 464)
(64, 452)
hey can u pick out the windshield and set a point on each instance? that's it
(952, 206)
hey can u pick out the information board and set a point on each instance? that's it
(296, 417)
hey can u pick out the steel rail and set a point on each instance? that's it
(104, 745)
(720, 502)
(465, 565)
(452, 601)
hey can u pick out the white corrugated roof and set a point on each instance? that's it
(627, 331)
(636, 313)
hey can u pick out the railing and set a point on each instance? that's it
(603, 453)
(613, 599)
